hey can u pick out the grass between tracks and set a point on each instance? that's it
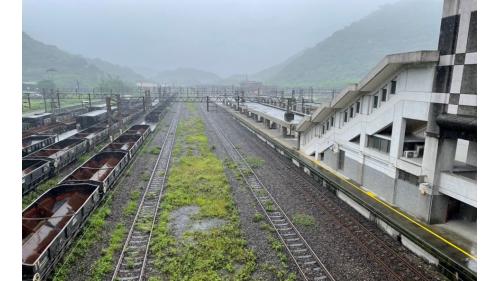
(92, 233)
(197, 178)
(280, 271)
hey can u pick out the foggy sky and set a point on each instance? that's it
(222, 36)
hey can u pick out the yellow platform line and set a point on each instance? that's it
(374, 196)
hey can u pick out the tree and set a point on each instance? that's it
(46, 84)
(113, 83)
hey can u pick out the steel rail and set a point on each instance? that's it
(82, 232)
(308, 263)
(131, 264)
(352, 227)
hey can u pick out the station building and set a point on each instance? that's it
(407, 130)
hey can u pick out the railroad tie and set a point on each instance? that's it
(128, 278)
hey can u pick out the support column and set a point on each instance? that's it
(397, 137)
(472, 154)
(444, 162)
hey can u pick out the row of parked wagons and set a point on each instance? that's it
(48, 158)
(52, 221)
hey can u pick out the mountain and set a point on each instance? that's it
(123, 72)
(348, 54)
(42, 61)
(186, 77)
(269, 72)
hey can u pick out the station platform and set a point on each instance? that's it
(442, 245)
(272, 113)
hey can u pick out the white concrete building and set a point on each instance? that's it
(407, 130)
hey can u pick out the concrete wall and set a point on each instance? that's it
(409, 198)
(331, 159)
(379, 183)
(352, 169)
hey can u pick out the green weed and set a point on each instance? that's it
(303, 219)
(197, 179)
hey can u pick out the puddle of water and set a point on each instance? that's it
(181, 221)
(206, 224)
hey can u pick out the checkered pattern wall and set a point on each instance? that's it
(456, 73)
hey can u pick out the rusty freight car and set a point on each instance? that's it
(57, 155)
(51, 222)
(35, 142)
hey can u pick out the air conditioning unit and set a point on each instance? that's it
(335, 148)
(410, 154)
(424, 188)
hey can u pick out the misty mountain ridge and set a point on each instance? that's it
(342, 58)
(348, 54)
(42, 62)
(186, 77)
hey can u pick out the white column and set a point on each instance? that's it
(472, 154)
(398, 133)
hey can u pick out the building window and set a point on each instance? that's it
(327, 125)
(375, 101)
(341, 159)
(322, 156)
(351, 113)
(393, 86)
(323, 130)
(345, 116)
(379, 144)
(331, 121)
(384, 94)
(405, 176)
(358, 107)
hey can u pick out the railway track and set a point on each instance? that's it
(391, 262)
(133, 256)
(308, 263)
(374, 246)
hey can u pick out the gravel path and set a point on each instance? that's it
(295, 192)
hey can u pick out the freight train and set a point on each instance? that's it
(47, 158)
(52, 221)
(157, 113)
(45, 163)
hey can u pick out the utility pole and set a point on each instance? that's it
(207, 105)
(90, 100)
(29, 101)
(58, 100)
(108, 109)
(52, 102)
(44, 99)
(118, 104)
